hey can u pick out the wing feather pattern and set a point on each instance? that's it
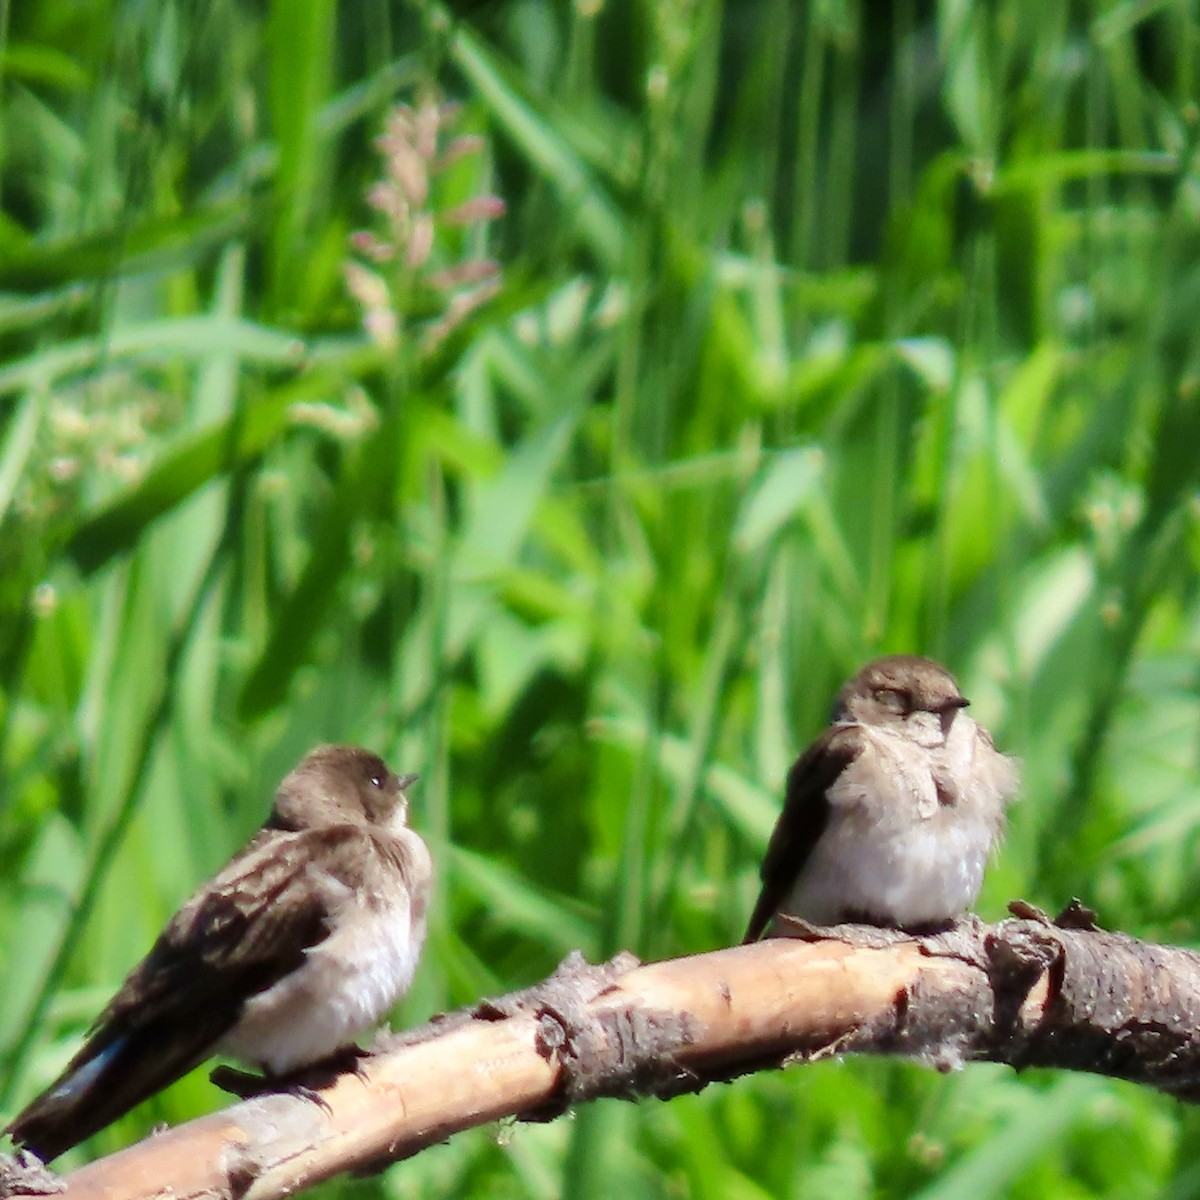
(802, 821)
(234, 938)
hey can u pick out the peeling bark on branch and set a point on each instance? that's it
(1026, 992)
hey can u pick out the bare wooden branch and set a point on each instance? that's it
(1024, 992)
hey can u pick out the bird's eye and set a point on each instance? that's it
(377, 780)
(894, 701)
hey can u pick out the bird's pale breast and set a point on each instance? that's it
(909, 833)
(348, 981)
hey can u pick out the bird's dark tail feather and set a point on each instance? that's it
(760, 918)
(101, 1083)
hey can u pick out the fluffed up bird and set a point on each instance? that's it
(891, 814)
(304, 940)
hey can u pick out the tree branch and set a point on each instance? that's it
(1026, 992)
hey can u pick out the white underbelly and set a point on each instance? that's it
(346, 985)
(911, 873)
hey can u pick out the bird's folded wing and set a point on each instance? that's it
(805, 813)
(236, 937)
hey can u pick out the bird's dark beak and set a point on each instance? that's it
(406, 781)
(948, 711)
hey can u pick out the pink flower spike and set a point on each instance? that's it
(366, 287)
(408, 169)
(382, 327)
(457, 311)
(420, 241)
(460, 148)
(399, 124)
(468, 272)
(364, 242)
(382, 252)
(384, 198)
(482, 208)
(465, 303)
(426, 130)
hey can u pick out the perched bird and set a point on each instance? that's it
(891, 814)
(305, 939)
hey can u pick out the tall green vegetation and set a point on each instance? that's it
(823, 329)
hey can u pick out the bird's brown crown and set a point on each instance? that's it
(898, 685)
(335, 784)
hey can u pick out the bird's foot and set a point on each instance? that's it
(862, 930)
(325, 1071)
(245, 1085)
(307, 1082)
(242, 1084)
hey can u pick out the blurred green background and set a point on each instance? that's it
(822, 329)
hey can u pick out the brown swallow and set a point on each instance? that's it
(305, 939)
(892, 813)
